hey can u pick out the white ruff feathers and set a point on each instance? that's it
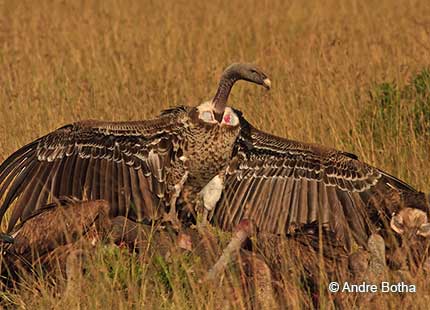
(211, 193)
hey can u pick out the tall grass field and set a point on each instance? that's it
(353, 75)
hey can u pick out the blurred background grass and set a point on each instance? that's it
(63, 61)
(347, 74)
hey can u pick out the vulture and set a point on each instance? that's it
(55, 225)
(54, 235)
(140, 167)
(209, 156)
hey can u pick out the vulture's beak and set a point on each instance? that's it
(267, 84)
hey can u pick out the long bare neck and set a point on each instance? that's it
(220, 99)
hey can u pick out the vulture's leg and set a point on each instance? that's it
(172, 217)
(210, 195)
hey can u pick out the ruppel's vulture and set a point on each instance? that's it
(139, 167)
(144, 168)
(58, 224)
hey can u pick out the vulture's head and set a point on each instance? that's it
(410, 222)
(413, 228)
(216, 110)
(247, 72)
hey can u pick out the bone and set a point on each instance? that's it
(242, 232)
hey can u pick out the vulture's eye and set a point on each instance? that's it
(207, 116)
(255, 73)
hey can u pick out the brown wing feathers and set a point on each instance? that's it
(282, 185)
(280, 205)
(124, 163)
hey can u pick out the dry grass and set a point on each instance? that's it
(62, 61)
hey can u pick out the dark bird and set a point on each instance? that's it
(210, 153)
(51, 234)
(58, 224)
(141, 167)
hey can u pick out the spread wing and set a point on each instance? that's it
(124, 163)
(283, 185)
